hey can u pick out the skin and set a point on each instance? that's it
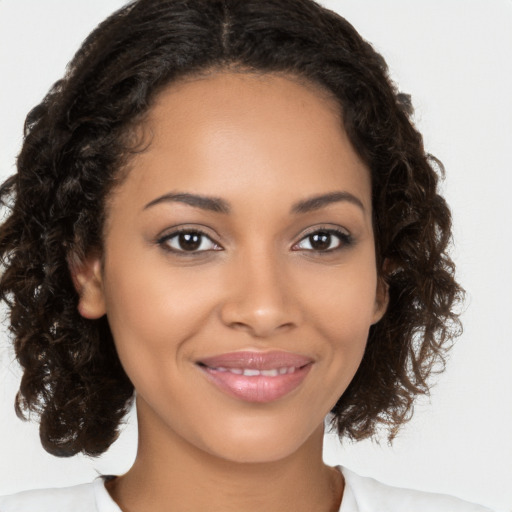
(261, 143)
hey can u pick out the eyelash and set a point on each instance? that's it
(164, 242)
(345, 239)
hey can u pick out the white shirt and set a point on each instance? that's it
(362, 494)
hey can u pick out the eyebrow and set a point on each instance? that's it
(318, 202)
(218, 205)
(213, 204)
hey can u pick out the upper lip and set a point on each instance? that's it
(256, 360)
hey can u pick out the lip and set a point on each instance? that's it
(291, 368)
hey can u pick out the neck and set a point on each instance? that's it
(171, 474)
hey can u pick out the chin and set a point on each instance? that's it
(259, 445)
(244, 454)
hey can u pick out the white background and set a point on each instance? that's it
(455, 58)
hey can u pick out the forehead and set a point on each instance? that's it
(242, 135)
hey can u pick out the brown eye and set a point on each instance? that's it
(189, 241)
(320, 241)
(324, 241)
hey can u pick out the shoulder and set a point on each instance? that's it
(91, 497)
(78, 497)
(364, 494)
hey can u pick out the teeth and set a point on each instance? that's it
(250, 372)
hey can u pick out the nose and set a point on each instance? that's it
(260, 300)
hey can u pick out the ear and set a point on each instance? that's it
(88, 280)
(381, 296)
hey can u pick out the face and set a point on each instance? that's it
(239, 275)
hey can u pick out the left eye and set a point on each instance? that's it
(323, 241)
(189, 241)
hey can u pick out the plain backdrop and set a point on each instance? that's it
(455, 58)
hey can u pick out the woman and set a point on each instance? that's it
(178, 228)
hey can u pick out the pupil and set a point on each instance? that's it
(320, 241)
(189, 241)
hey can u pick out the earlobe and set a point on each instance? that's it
(88, 281)
(381, 300)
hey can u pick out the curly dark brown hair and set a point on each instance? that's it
(81, 135)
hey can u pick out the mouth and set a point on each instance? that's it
(250, 372)
(256, 376)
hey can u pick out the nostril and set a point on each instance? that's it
(239, 325)
(250, 315)
(260, 330)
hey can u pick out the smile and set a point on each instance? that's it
(250, 372)
(256, 376)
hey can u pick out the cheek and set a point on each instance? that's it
(342, 312)
(152, 312)
(343, 301)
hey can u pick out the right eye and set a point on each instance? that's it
(188, 241)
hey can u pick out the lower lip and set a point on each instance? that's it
(257, 388)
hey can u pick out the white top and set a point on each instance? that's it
(362, 494)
